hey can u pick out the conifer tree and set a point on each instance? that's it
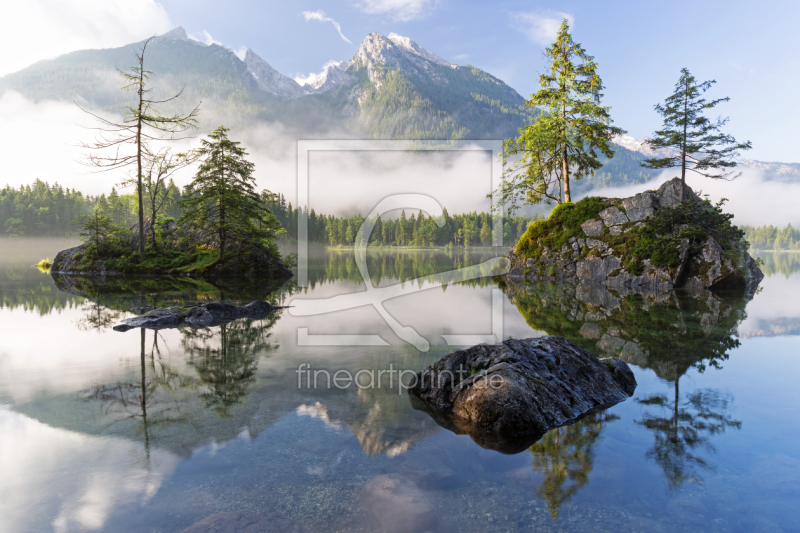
(222, 200)
(693, 141)
(566, 141)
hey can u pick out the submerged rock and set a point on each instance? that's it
(245, 523)
(198, 316)
(506, 396)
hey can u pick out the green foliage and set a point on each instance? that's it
(660, 237)
(221, 200)
(573, 131)
(635, 267)
(562, 224)
(95, 228)
(694, 142)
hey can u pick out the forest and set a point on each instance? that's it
(42, 209)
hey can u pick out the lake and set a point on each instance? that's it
(157, 430)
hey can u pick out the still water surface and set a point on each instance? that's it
(154, 431)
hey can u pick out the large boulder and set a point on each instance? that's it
(600, 248)
(72, 261)
(506, 396)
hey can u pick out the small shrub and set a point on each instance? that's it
(635, 267)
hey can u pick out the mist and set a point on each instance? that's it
(41, 141)
(753, 200)
(44, 137)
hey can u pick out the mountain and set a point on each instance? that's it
(391, 88)
(637, 150)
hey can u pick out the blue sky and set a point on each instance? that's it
(748, 47)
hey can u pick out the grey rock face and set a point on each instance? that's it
(245, 523)
(594, 259)
(270, 80)
(597, 269)
(640, 206)
(592, 228)
(612, 216)
(199, 316)
(520, 389)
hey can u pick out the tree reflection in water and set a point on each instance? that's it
(565, 456)
(226, 358)
(669, 333)
(683, 427)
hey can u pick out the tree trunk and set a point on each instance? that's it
(139, 156)
(565, 170)
(222, 209)
(564, 162)
(683, 148)
(153, 219)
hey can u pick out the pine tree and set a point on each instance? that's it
(694, 141)
(95, 227)
(222, 199)
(566, 141)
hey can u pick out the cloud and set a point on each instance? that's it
(312, 77)
(205, 38)
(541, 27)
(320, 16)
(43, 29)
(402, 10)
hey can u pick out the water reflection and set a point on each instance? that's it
(565, 456)
(681, 428)
(393, 266)
(669, 333)
(150, 441)
(226, 360)
(784, 263)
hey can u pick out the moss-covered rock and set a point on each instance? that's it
(648, 240)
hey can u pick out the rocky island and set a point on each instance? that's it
(650, 241)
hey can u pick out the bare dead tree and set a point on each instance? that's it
(143, 124)
(158, 168)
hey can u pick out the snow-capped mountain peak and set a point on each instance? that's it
(413, 47)
(399, 52)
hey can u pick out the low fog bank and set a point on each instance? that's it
(753, 200)
(40, 141)
(44, 139)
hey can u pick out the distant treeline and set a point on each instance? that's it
(772, 238)
(44, 210)
(470, 229)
